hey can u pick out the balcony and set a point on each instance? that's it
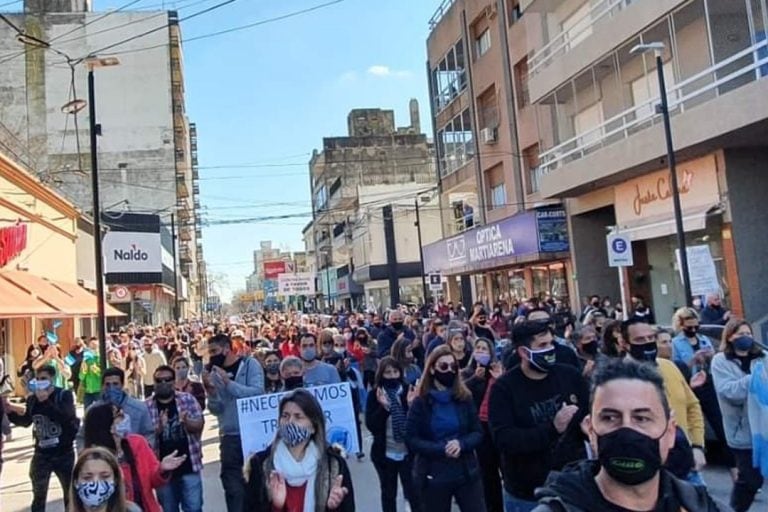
(196, 188)
(442, 9)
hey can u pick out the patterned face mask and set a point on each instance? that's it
(293, 434)
(95, 493)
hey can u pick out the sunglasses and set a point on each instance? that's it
(445, 367)
(163, 381)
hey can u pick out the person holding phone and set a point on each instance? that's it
(385, 416)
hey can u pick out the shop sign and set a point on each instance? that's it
(553, 230)
(296, 284)
(651, 195)
(484, 247)
(13, 240)
(132, 252)
(120, 295)
(274, 268)
(435, 282)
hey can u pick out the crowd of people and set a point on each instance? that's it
(506, 409)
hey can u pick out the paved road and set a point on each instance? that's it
(16, 490)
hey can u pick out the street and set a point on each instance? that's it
(16, 490)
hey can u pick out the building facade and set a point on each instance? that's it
(147, 148)
(502, 240)
(602, 143)
(363, 185)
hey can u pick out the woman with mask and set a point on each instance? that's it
(299, 472)
(402, 352)
(272, 381)
(106, 426)
(385, 417)
(184, 384)
(458, 344)
(443, 431)
(134, 371)
(97, 484)
(733, 369)
(479, 377)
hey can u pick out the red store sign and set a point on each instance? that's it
(13, 240)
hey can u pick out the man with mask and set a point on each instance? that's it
(632, 431)
(316, 372)
(480, 324)
(564, 353)
(534, 413)
(292, 373)
(639, 342)
(392, 332)
(227, 378)
(585, 341)
(178, 422)
(154, 358)
(52, 412)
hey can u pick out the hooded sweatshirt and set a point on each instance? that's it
(574, 490)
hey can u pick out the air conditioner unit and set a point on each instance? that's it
(489, 135)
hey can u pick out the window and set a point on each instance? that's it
(498, 196)
(521, 83)
(483, 43)
(578, 26)
(449, 77)
(647, 87)
(321, 198)
(586, 121)
(531, 162)
(456, 143)
(489, 111)
(514, 12)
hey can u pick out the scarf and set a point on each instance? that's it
(396, 413)
(298, 473)
(757, 411)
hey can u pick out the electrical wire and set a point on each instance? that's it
(95, 20)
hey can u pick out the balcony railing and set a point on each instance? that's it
(643, 115)
(568, 39)
(443, 8)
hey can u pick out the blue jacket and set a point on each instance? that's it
(387, 338)
(431, 462)
(682, 350)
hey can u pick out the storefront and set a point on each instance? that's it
(513, 259)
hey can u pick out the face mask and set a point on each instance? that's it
(590, 348)
(148, 350)
(123, 428)
(273, 368)
(743, 343)
(347, 336)
(482, 359)
(339, 350)
(542, 360)
(293, 434)
(397, 325)
(377, 324)
(218, 360)
(181, 375)
(309, 354)
(327, 349)
(390, 383)
(163, 390)
(629, 456)
(96, 493)
(38, 385)
(690, 331)
(294, 382)
(445, 378)
(646, 352)
(114, 395)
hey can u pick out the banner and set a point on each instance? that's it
(257, 416)
(132, 252)
(296, 284)
(273, 268)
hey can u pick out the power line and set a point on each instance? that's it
(95, 20)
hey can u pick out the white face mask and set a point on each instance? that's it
(96, 493)
(339, 350)
(123, 428)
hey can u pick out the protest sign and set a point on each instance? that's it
(258, 419)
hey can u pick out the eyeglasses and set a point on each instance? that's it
(163, 381)
(444, 367)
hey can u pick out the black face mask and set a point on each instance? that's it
(377, 324)
(590, 348)
(163, 390)
(273, 368)
(294, 383)
(397, 325)
(629, 456)
(390, 383)
(646, 352)
(690, 332)
(445, 378)
(542, 360)
(218, 360)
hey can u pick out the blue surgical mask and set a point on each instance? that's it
(309, 354)
(123, 428)
(114, 395)
(743, 343)
(482, 359)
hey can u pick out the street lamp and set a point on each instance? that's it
(657, 48)
(95, 130)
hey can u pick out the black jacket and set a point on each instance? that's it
(257, 495)
(574, 490)
(430, 460)
(55, 421)
(376, 420)
(476, 385)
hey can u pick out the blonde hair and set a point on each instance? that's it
(681, 316)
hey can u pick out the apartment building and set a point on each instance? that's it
(602, 146)
(147, 148)
(501, 240)
(364, 187)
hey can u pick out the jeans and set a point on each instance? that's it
(469, 496)
(512, 504)
(231, 456)
(89, 398)
(747, 483)
(182, 490)
(40, 470)
(388, 471)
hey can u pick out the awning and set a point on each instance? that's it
(44, 291)
(85, 297)
(15, 302)
(693, 220)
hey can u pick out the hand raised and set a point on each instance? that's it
(337, 494)
(277, 490)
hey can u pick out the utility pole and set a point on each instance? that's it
(175, 275)
(421, 252)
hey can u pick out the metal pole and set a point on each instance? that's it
(175, 275)
(673, 182)
(101, 319)
(421, 252)
(328, 285)
(623, 285)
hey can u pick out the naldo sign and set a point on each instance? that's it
(132, 252)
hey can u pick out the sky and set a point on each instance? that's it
(266, 97)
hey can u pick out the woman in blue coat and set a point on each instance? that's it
(443, 430)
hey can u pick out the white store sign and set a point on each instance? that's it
(296, 284)
(132, 252)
